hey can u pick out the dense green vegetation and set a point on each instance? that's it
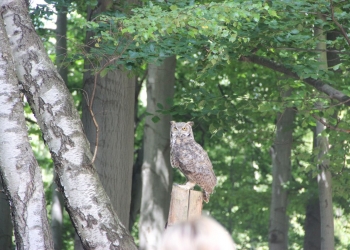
(235, 59)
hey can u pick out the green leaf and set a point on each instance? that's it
(336, 67)
(173, 7)
(212, 129)
(155, 119)
(104, 72)
(201, 104)
(160, 106)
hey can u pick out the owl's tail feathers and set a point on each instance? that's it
(206, 196)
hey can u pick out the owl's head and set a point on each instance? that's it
(180, 130)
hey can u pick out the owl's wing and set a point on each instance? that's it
(192, 154)
(196, 166)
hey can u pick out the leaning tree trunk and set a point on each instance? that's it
(20, 172)
(281, 173)
(156, 169)
(86, 201)
(57, 199)
(324, 178)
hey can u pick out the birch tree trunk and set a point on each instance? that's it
(324, 178)
(57, 199)
(20, 172)
(281, 173)
(86, 201)
(156, 169)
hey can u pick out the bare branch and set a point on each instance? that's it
(330, 126)
(108, 63)
(343, 32)
(313, 50)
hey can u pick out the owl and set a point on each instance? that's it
(191, 159)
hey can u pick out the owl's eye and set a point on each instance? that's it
(184, 128)
(175, 128)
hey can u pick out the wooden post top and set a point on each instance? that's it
(184, 205)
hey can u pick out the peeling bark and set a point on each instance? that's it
(20, 172)
(88, 205)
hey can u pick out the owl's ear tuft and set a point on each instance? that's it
(190, 123)
(172, 122)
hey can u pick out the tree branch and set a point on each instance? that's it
(317, 84)
(313, 50)
(343, 32)
(330, 126)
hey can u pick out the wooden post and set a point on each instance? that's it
(184, 205)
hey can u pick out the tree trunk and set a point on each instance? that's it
(281, 173)
(156, 169)
(312, 237)
(312, 227)
(324, 177)
(20, 172)
(57, 199)
(114, 111)
(86, 201)
(5, 220)
(136, 189)
(113, 107)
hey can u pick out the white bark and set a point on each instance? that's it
(86, 201)
(20, 171)
(324, 178)
(156, 169)
(281, 173)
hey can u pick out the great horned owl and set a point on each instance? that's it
(191, 159)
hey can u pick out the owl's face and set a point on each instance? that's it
(180, 130)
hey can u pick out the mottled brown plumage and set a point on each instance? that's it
(191, 159)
